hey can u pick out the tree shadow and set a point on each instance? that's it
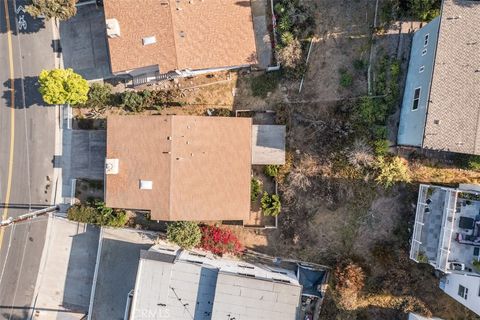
(20, 21)
(26, 24)
(18, 316)
(25, 93)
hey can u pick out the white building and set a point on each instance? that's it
(446, 235)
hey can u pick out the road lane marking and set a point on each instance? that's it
(12, 118)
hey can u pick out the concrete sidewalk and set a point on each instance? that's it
(66, 271)
(262, 35)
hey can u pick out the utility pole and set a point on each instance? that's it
(26, 216)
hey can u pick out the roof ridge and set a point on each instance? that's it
(170, 176)
(173, 32)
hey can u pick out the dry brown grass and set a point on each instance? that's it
(436, 174)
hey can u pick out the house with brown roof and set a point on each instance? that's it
(441, 102)
(186, 167)
(167, 37)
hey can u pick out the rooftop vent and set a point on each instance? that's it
(146, 185)
(149, 40)
(113, 28)
(111, 166)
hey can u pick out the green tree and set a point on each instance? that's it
(186, 234)
(271, 205)
(424, 10)
(61, 9)
(61, 86)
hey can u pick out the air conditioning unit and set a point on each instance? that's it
(111, 166)
(113, 28)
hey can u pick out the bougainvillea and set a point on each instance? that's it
(220, 241)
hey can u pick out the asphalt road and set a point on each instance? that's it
(27, 140)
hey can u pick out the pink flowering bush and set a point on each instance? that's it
(220, 241)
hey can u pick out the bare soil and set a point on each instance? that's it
(331, 213)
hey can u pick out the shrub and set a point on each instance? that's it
(221, 112)
(422, 257)
(99, 95)
(109, 216)
(349, 279)
(271, 170)
(264, 84)
(369, 112)
(391, 170)
(220, 241)
(186, 234)
(271, 205)
(286, 38)
(424, 10)
(256, 189)
(395, 69)
(474, 162)
(476, 265)
(382, 147)
(360, 155)
(379, 131)
(279, 8)
(290, 54)
(135, 101)
(97, 213)
(346, 79)
(359, 64)
(284, 24)
(82, 213)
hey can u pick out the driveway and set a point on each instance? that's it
(83, 158)
(84, 43)
(66, 273)
(88, 154)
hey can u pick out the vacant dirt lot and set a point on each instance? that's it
(331, 212)
(343, 33)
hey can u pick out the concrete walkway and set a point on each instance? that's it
(66, 271)
(262, 36)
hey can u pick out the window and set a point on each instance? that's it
(425, 43)
(462, 291)
(416, 99)
(424, 52)
(422, 68)
(476, 251)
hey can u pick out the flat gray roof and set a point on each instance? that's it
(242, 297)
(181, 290)
(453, 115)
(195, 290)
